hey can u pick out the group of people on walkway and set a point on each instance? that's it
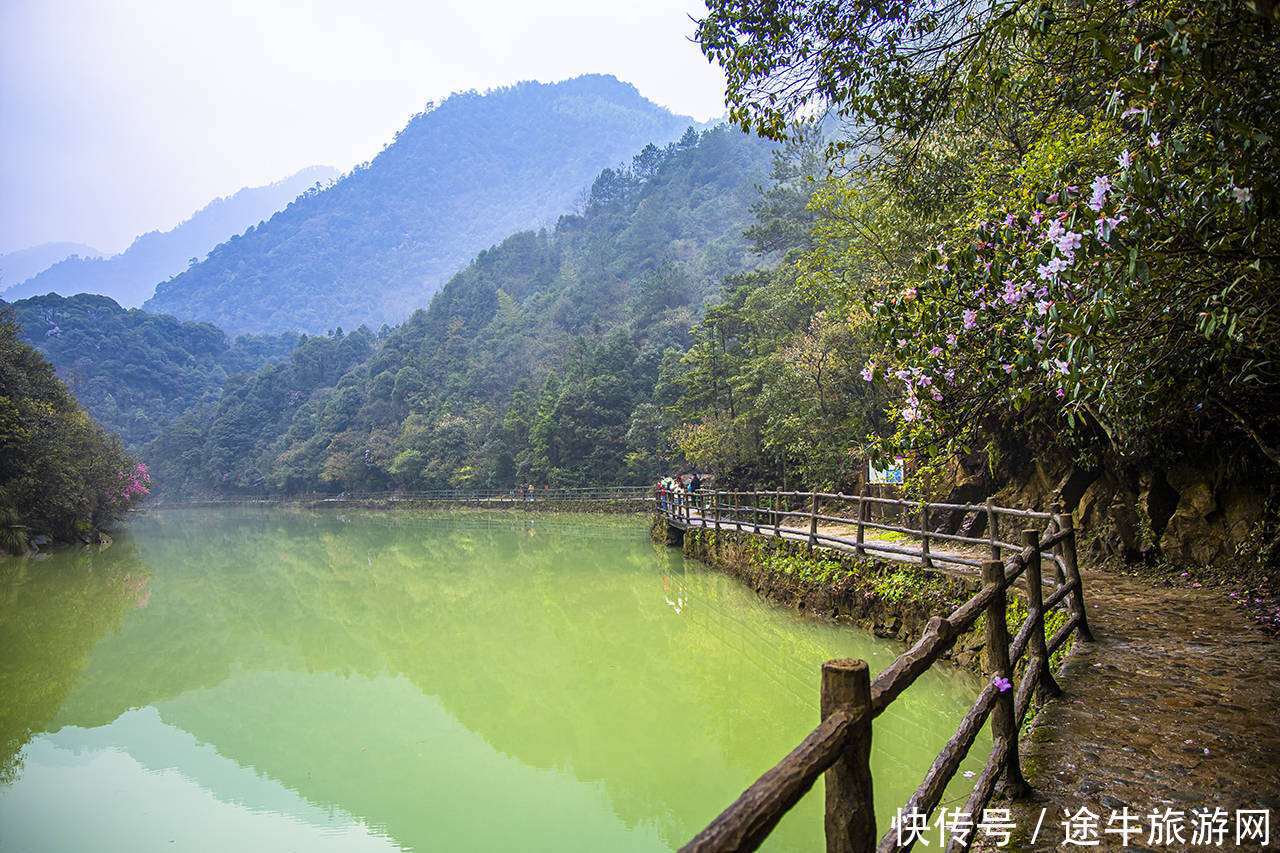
(670, 490)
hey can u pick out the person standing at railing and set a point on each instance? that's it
(695, 486)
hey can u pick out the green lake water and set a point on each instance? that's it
(285, 680)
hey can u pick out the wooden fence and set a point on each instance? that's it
(840, 746)
(776, 514)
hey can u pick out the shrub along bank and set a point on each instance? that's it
(892, 600)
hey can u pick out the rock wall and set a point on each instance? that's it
(1199, 511)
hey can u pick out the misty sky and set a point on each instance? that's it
(119, 117)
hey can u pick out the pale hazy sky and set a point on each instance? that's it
(119, 117)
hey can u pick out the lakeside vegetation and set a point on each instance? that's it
(62, 477)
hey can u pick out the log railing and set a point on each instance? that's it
(1016, 667)
(799, 515)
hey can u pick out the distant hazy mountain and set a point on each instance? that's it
(17, 267)
(539, 362)
(131, 276)
(458, 178)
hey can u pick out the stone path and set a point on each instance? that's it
(1175, 706)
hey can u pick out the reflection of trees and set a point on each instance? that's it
(533, 643)
(52, 613)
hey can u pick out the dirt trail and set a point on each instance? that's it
(1175, 706)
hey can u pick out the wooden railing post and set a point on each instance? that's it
(925, 559)
(737, 517)
(1058, 575)
(1004, 722)
(1072, 571)
(777, 514)
(755, 511)
(863, 508)
(716, 509)
(993, 529)
(1035, 605)
(851, 816)
(813, 522)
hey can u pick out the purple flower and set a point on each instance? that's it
(1068, 243)
(869, 371)
(1003, 684)
(970, 318)
(1105, 225)
(1125, 159)
(1243, 195)
(1101, 186)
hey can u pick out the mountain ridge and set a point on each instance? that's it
(459, 177)
(21, 264)
(130, 277)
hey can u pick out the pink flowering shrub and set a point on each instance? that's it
(1120, 300)
(131, 485)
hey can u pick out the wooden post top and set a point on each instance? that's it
(843, 665)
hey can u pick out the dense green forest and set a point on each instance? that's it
(540, 361)
(133, 371)
(130, 277)
(62, 477)
(459, 177)
(1047, 238)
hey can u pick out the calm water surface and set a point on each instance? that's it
(280, 680)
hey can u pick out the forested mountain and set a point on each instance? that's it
(537, 362)
(18, 266)
(135, 371)
(61, 475)
(459, 177)
(131, 276)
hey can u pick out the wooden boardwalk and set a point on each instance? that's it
(839, 747)
(866, 528)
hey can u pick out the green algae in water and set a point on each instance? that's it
(265, 679)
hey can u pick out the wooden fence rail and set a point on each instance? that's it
(1017, 667)
(796, 515)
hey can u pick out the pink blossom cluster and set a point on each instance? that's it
(1041, 260)
(131, 485)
